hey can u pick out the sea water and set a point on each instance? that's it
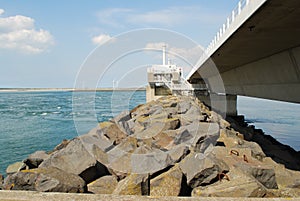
(31, 121)
(279, 119)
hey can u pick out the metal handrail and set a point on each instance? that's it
(230, 19)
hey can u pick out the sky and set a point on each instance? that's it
(49, 43)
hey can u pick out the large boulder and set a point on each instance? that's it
(103, 185)
(205, 136)
(151, 162)
(263, 174)
(178, 153)
(134, 184)
(241, 159)
(288, 181)
(167, 184)
(113, 132)
(235, 140)
(202, 170)
(75, 159)
(237, 185)
(45, 180)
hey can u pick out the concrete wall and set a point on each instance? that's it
(150, 94)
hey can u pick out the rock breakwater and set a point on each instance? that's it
(174, 146)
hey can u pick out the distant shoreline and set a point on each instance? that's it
(68, 89)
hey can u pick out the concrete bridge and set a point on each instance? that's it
(256, 53)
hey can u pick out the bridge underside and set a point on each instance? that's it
(262, 58)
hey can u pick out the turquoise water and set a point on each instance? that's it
(31, 121)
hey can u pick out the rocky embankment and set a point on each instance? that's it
(174, 146)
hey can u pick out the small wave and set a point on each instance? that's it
(65, 119)
(58, 107)
(44, 114)
(55, 112)
(253, 121)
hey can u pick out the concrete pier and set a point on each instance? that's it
(38, 196)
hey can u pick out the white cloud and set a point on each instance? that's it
(19, 33)
(170, 17)
(167, 17)
(1, 11)
(113, 16)
(102, 38)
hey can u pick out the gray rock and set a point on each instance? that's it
(60, 146)
(133, 184)
(266, 176)
(151, 162)
(183, 107)
(75, 159)
(123, 116)
(96, 138)
(123, 122)
(207, 135)
(128, 126)
(103, 185)
(129, 145)
(167, 184)
(194, 111)
(183, 137)
(178, 153)
(147, 110)
(201, 170)
(35, 159)
(284, 177)
(239, 185)
(16, 167)
(45, 180)
(163, 141)
(155, 127)
(115, 133)
(187, 119)
(120, 164)
(256, 150)
(241, 160)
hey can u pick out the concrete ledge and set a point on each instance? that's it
(38, 196)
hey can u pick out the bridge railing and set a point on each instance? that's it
(229, 21)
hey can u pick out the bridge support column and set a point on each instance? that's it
(150, 94)
(226, 105)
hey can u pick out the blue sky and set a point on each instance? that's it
(44, 43)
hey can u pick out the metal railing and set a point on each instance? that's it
(230, 19)
(183, 88)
